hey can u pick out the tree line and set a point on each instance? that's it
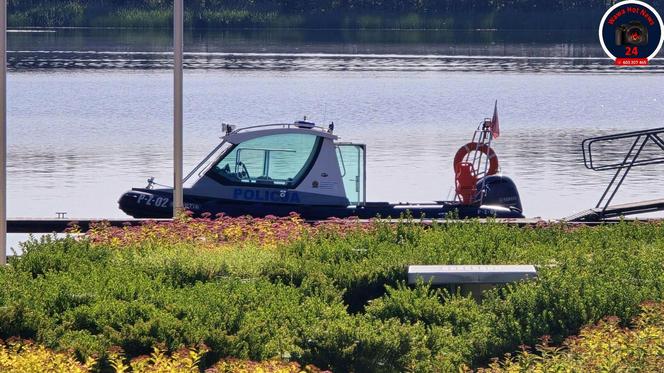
(517, 14)
(328, 6)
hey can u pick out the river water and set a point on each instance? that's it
(89, 111)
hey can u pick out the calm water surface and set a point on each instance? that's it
(90, 111)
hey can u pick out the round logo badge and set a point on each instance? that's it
(631, 33)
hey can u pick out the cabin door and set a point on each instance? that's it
(352, 163)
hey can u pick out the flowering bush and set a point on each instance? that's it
(26, 357)
(181, 361)
(269, 366)
(604, 347)
(221, 231)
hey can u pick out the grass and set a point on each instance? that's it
(331, 295)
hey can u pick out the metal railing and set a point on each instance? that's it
(624, 163)
(484, 136)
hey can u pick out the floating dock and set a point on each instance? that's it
(616, 211)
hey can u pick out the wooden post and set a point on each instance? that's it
(178, 26)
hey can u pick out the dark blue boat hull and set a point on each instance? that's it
(149, 203)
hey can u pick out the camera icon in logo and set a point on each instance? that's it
(632, 33)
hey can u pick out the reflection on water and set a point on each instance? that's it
(567, 43)
(31, 60)
(317, 50)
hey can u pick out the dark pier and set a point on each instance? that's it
(37, 225)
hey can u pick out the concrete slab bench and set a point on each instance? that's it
(470, 274)
(470, 278)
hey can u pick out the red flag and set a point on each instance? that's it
(495, 125)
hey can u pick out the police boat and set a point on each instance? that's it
(277, 169)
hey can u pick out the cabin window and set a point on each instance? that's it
(276, 160)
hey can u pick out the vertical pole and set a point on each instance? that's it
(3, 132)
(178, 25)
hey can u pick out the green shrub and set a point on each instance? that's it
(333, 296)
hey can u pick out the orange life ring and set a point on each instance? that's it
(476, 147)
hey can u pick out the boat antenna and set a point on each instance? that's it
(227, 128)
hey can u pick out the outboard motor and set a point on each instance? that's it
(499, 191)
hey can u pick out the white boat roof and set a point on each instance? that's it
(243, 134)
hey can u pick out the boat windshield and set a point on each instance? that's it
(275, 160)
